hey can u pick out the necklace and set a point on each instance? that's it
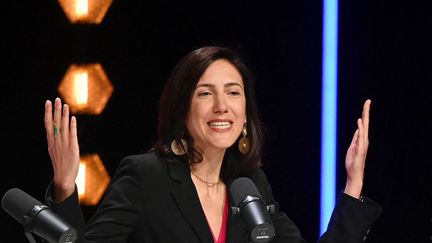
(209, 184)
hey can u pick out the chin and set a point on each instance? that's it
(224, 145)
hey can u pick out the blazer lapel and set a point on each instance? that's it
(186, 197)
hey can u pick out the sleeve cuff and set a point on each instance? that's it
(351, 219)
(69, 209)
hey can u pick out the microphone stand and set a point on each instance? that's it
(30, 237)
(27, 226)
(28, 222)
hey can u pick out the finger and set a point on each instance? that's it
(48, 119)
(65, 123)
(73, 133)
(365, 118)
(57, 116)
(355, 137)
(360, 129)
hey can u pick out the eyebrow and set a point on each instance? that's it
(225, 85)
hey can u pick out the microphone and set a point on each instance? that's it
(37, 218)
(252, 210)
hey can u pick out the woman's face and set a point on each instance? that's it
(218, 107)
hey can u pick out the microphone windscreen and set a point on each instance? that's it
(17, 203)
(241, 188)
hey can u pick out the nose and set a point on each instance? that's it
(220, 104)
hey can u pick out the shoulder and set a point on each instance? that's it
(141, 165)
(148, 160)
(260, 180)
(259, 177)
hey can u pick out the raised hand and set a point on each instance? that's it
(63, 149)
(356, 155)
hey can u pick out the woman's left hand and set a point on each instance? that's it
(356, 155)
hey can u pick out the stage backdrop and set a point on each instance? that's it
(384, 55)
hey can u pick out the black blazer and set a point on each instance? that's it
(153, 199)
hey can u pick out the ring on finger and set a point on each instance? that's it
(56, 130)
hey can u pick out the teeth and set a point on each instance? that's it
(220, 124)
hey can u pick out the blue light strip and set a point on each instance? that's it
(329, 111)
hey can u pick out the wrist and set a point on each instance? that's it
(63, 190)
(353, 188)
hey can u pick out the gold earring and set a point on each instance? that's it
(244, 142)
(178, 149)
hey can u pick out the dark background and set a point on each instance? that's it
(384, 54)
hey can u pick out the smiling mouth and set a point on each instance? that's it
(220, 125)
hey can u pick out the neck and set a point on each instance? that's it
(209, 168)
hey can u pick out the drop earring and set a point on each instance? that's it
(178, 149)
(244, 141)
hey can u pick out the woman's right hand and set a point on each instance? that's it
(63, 147)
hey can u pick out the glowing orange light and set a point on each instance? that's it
(81, 178)
(92, 179)
(86, 88)
(85, 11)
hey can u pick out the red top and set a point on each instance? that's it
(222, 234)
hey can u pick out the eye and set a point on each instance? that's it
(204, 94)
(234, 93)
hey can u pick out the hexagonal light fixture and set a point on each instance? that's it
(92, 179)
(86, 88)
(85, 11)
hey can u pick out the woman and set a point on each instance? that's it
(208, 135)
